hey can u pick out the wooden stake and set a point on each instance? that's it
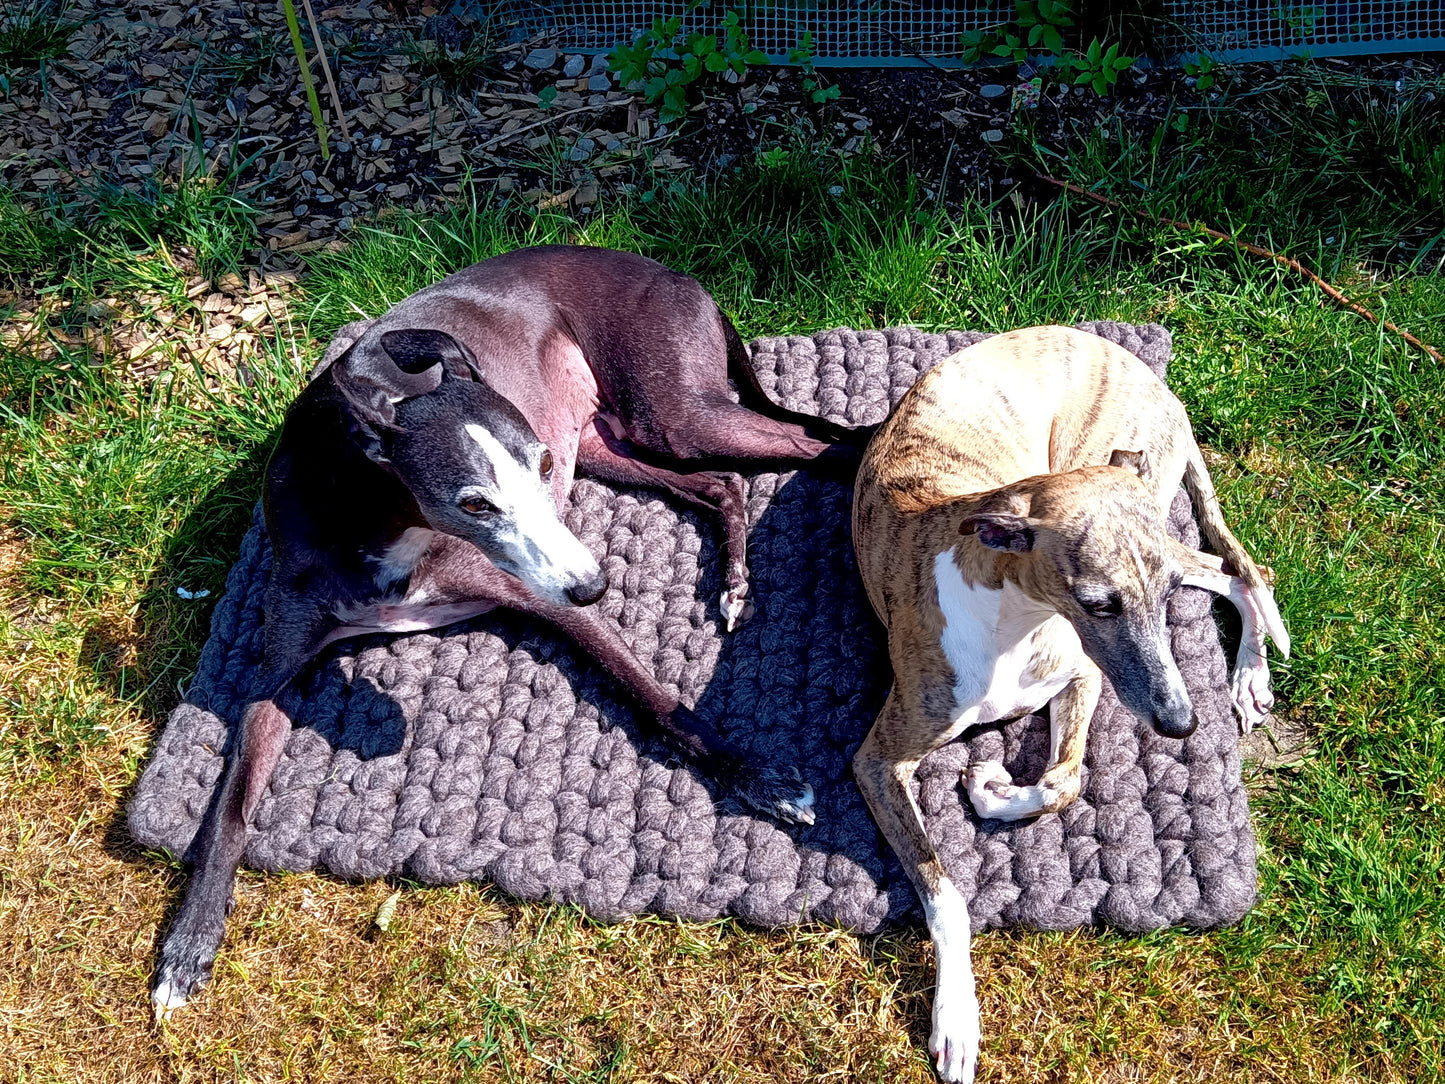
(326, 70)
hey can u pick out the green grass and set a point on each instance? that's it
(34, 32)
(254, 58)
(142, 236)
(1327, 437)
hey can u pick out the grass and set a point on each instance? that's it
(149, 235)
(471, 56)
(34, 32)
(256, 56)
(1324, 435)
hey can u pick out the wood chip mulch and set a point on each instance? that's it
(149, 90)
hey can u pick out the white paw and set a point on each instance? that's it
(167, 1001)
(1250, 691)
(733, 605)
(800, 809)
(991, 789)
(955, 1038)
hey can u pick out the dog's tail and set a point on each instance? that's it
(741, 372)
(1237, 560)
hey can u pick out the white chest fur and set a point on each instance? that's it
(400, 558)
(990, 638)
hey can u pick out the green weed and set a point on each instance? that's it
(34, 32)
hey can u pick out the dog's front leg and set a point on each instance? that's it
(768, 788)
(191, 944)
(1249, 685)
(991, 788)
(883, 768)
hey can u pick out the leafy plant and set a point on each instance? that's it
(664, 70)
(1037, 29)
(775, 158)
(1202, 70)
(1099, 67)
(1042, 23)
(1037, 26)
(1301, 19)
(813, 86)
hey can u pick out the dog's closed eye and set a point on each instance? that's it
(1110, 605)
(476, 506)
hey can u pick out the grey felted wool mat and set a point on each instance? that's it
(495, 750)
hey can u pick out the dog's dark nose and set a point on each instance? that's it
(585, 592)
(1179, 724)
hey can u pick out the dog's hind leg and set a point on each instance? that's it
(1236, 558)
(1249, 685)
(189, 951)
(751, 392)
(883, 768)
(772, 789)
(601, 455)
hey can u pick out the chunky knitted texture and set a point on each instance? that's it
(495, 750)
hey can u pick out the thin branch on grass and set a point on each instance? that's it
(528, 127)
(1253, 249)
(326, 70)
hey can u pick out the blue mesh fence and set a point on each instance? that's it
(850, 32)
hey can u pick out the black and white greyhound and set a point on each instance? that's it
(418, 482)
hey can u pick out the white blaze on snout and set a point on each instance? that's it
(534, 544)
(1178, 691)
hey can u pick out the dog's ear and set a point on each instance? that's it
(374, 380)
(417, 349)
(1135, 462)
(1000, 531)
(1001, 521)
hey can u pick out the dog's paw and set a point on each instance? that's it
(781, 794)
(186, 962)
(1250, 693)
(955, 1039)
(991, 789)
(736, 607)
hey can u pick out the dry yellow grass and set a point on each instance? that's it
(466, 985)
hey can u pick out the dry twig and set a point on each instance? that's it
(326, 70)
(1253, 249)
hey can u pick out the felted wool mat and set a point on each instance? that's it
(495, 750)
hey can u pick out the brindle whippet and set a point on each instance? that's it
(1009, 521)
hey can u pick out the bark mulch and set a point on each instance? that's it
(149, 90)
